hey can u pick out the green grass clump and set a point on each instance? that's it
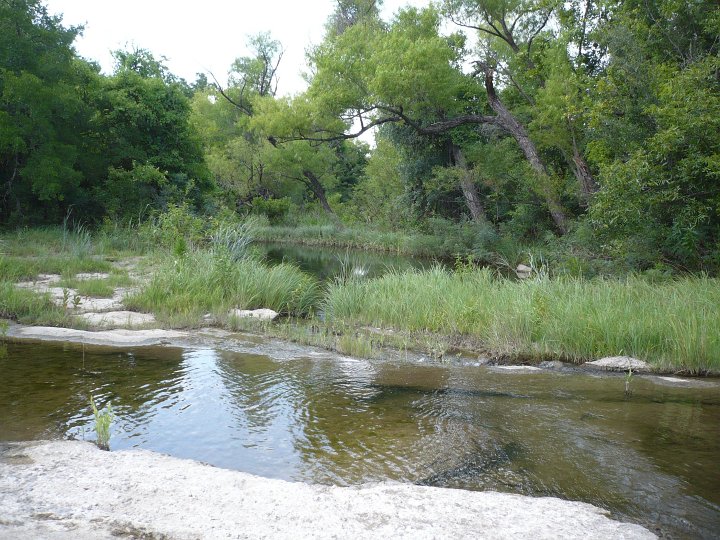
(103, 421)
(30, 307)
(354, 345)
(671, 325)
(96, 288)
(28, 268)
(199, 282)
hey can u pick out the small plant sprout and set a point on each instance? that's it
(76, 301)
(103, 420)
(628, 380)
(65, 298)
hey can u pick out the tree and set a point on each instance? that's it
(348, 13)
(43, 115)
(251, 91)
(408, 73)
(145, 127)
(654, 122)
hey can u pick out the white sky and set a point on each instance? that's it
(203, 36)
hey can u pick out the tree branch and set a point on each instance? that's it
(540, 29)
(219, 88)
(445, 125)
(316, 136)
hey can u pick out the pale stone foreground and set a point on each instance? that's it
(110, 338)
(70, 489)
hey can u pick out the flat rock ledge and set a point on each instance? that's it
(110, 338)
(115, 319)
(619, 363)
(72, 490)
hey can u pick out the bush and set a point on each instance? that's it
(176, 226)
(274, 209)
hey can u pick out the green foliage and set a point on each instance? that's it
(176, 224)
(150, 145)
(71, 138)
(378, 199)
(132, 192)
(601, 126)
(657, 110)
(42, 115)
(274, 209)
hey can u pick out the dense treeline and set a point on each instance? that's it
(587, 129)
(74, 140)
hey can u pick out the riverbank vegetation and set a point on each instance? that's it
(666, 321)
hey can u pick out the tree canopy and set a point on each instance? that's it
(588, 124)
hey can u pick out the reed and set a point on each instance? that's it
(208, 281)
(672, 325)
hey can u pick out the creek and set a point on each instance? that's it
(651, 457)
(326, 263)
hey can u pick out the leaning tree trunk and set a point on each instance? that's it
(470, 192)
(588, 185)
(319, 191)
(509, 123)
(311, 181)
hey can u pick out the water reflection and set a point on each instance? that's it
(326, 263)
(652, 458)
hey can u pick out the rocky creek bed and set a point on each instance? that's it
(449, 426)
(70, 489)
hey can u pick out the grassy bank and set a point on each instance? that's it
(27, 253)
(184, 289)
(672, 325)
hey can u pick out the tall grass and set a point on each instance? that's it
(30, 307)
(233, 239)
(671, 325)
(211, 281)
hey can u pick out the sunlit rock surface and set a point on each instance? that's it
(70, 489)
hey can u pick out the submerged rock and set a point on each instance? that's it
(619, 363)
(517, 368)
(90, 493)
(552, 364)
(262, 314)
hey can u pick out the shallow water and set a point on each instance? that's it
(651, 458)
